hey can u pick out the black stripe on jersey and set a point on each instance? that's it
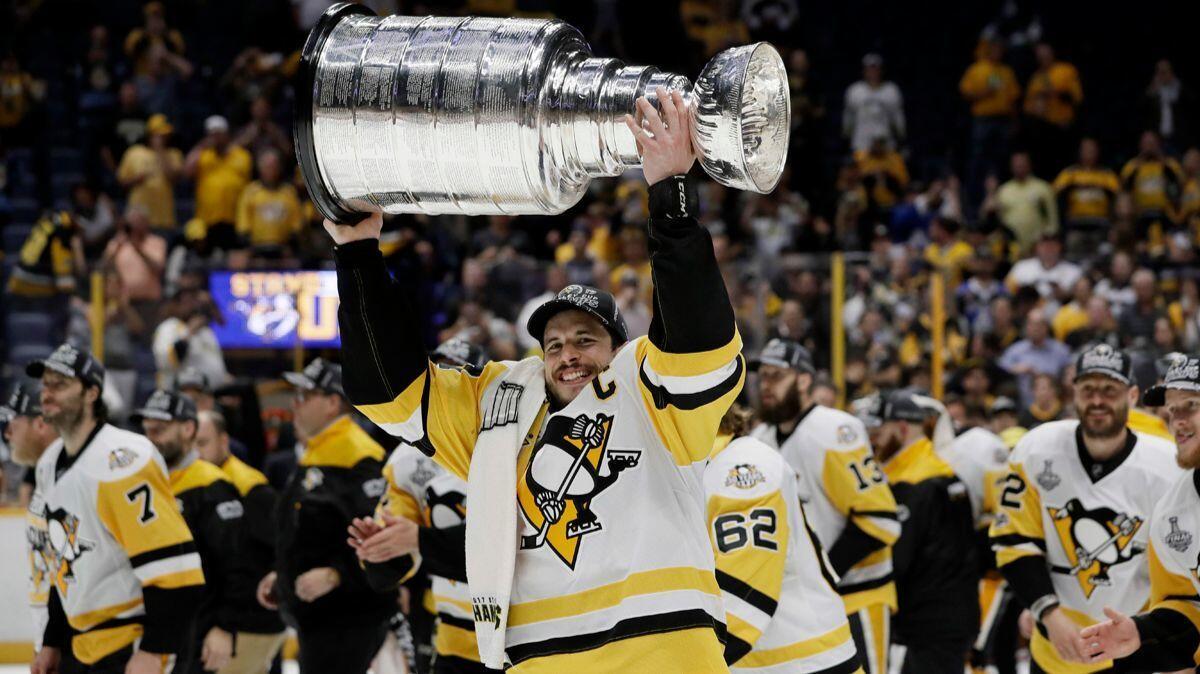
(882, 514)
(424, 444)
(165, 552)
(690, 401)
(1009, 540)
(625, 629)
(848, 667)
(455, 621)
(742, 590)
(113, 623)
(735, 649)
(865, 585)
(826, 572)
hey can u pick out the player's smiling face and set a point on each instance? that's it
(1103, 405)
(1183, 407)
(577, 348)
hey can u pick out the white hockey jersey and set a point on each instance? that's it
(114, 529)
(1092, 531)
(840, 482)
(979, 458)
(1175, 553)
(426, 493)
(784, 613)
(614, 570)
(37, 545)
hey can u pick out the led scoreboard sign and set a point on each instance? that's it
(274, 309)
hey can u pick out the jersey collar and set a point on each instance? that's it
(65, 460)
(1098, 470)
(781, 438)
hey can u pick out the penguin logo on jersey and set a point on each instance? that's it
(65, 547)
(744, 476)
(570, 466)
(1094, 540)
(445, 510)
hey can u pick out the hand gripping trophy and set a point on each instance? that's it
(404, 114)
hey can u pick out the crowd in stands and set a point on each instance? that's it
(171, 166)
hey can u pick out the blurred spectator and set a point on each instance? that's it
(1165, 341)
(633, 303)
(1052, 99)
(773, 221)
(1052, 276)
(873, 109)
(1036, 353)
(1045, 405)
(1100, 326)
(910, 219)
(1026, 204)
(850, 223)
(884, 176)
(149, 173)
(153, 39)
(991, 89)
(124, 329)
(556, 280)
(261, 133)
(1087, 192)
(95, 214)
(478, 325)
(268, 212)
(184, 339)
(221, 169)
(126, 128)
(714, 24)
(254, 74)
(806, 144)
(1136, 322)
(947, 253)
(1189, 200)
(1169, 107)
(980, 288)
(96, 79)
(635, 260)
(19, 92)
(1184, 313)
(499, 240)
(138, 256)
(1154, 181)
(1074, 314)
(158, 62)
(1114, 288)
(50, 260)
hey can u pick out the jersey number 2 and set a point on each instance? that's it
(141, 494)
(735, 530)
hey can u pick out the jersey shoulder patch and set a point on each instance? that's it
(746, 469)
(833, 429)
(1049, 440)
(116, 454)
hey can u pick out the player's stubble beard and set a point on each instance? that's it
(69, 416)
(1105, 431)
(784, 410)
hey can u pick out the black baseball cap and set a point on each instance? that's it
(597, 303)
(70, 361)
(24, 401)
(166, 405)
(1183, 375)
(1103, 359)
(898, 405)
(193, 378)
(460, 352)
(320, 375)
(784, 353)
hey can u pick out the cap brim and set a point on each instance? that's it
(140, 415)
(1156, 396)
(754, 363)
(1104, 372)
(38, 367)
(542, 315)
(298, 380)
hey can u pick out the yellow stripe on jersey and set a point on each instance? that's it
(198, 473)
(799, 650)
(686, 394)
(398, 501)
(170, 581)
(456, 641)
(1017, 530)
(94, 645)
(86, 621)
(605, 596)
(1142, 421)
(1173, 592)
(858, 489)
(342, 444)
(690, 651)
(241, 475)
(443, 599)
(140, 512)
(442, 407)
(750, 539)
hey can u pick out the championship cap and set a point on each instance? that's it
(70, 361)
(1104, 360)
(166, 405)
(898, 405)
(597, 303)
(1183, 375)
(24, 401)
(192, 378)
(784, 353)
(460, 352)
(1003, 404)
(319, 375)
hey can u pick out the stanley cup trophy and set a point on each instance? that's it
(435, 115)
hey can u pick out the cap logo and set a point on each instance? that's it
(580, 296)
(1103, 357)
(313, 371)
(458, 349)
(1184, 369)
(65, 354)
(159, 400)
(775, 350)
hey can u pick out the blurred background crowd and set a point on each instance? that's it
(973, 192)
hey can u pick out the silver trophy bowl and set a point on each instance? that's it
(476, 116)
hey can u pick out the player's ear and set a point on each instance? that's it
(1134, 394)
